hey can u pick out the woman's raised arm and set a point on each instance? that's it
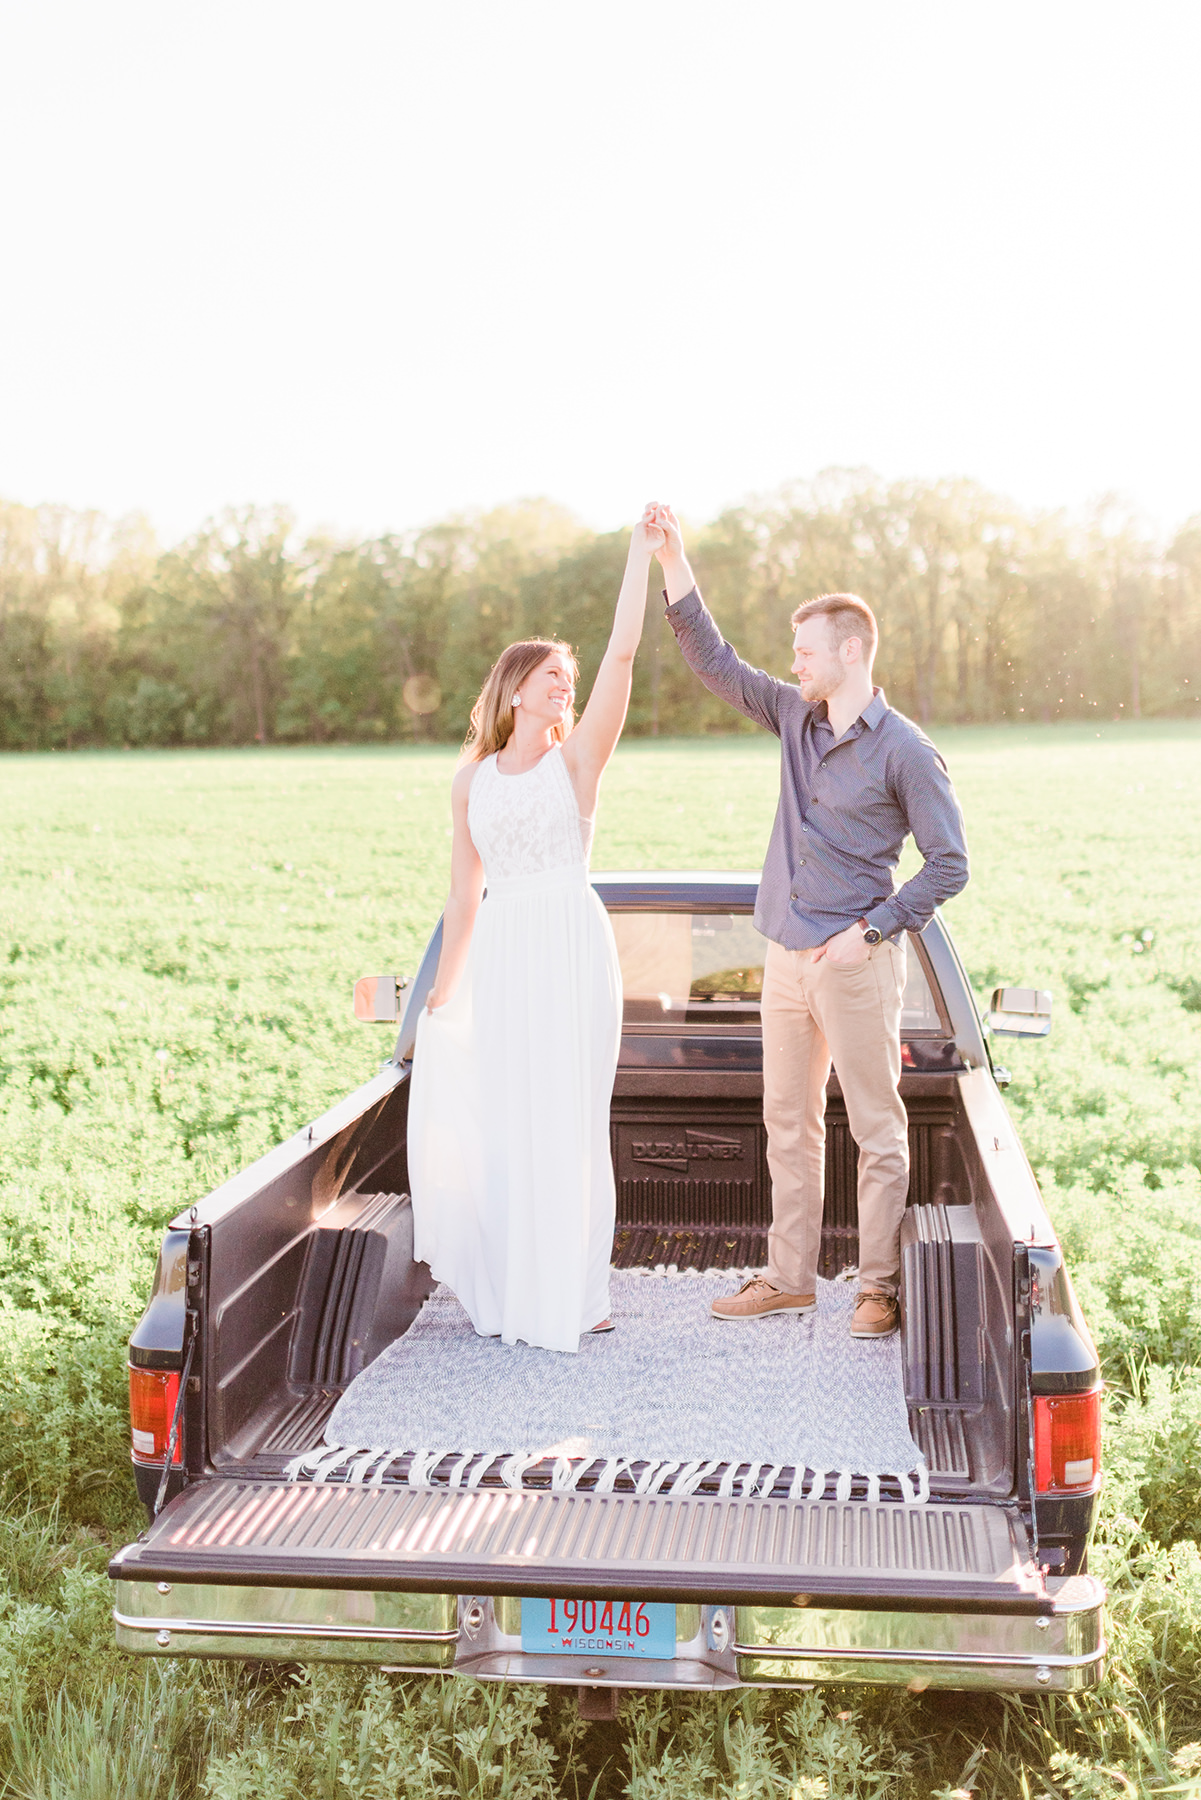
(594, 739)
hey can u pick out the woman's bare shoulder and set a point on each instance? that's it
(460, 787)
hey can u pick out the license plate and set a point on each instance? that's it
(598, 1628)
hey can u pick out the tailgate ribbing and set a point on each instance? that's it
(515, 1542)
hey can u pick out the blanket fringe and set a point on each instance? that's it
(361, 1466)
(455, 1478)
(662, 1477)
(422, 1465)
(606, 1481)
(514, 1467)
(565, 1474)
(691, 1476)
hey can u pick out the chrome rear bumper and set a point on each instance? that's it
(274, 1624)
(1057, 1651)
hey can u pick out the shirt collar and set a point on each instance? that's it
(871, 715)
(875, 709)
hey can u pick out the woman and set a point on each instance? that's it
(509, 1166)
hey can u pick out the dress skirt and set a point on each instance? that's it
(509, 1160)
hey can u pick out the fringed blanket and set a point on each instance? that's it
(671, 1402)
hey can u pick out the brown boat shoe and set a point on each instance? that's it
(758, 1299)
(876, 1315)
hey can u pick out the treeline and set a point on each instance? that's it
(245, 633)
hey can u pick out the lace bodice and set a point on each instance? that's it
(527, 824)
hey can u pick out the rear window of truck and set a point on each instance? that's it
(686, 970)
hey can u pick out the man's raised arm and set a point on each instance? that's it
(702, 646)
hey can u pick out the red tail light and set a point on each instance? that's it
(1067, 1442)
(152, 1397)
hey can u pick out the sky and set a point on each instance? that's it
(386, 262)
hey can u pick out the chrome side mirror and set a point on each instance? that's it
(377, 998)
(1020, 1012)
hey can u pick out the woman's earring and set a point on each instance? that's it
(517, 699)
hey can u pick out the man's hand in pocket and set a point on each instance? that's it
(845, 950)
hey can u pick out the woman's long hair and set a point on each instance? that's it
(492, 715)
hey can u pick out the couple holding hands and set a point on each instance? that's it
(509, 1162)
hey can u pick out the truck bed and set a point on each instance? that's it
(298, 1274)
(331, 1298)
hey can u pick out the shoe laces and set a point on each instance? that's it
(889, 1300)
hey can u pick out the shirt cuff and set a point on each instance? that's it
(687, 608)
(884, 918)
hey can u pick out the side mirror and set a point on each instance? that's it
(1020, 1012)
(377, 998)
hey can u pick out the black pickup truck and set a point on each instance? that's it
(276, 1290)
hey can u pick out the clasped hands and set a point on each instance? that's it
(658, 532)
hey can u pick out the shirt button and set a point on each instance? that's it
(804, 828)
(800, 862)
(821, 765)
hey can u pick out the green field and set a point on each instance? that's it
(178, 936)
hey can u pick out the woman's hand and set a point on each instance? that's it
(588, 749)
(434, 1000)
(669, 525)
(648, 536)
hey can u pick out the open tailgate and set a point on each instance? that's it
(493, 1542)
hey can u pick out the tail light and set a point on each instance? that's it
(152, 1397)
(1067, 1442)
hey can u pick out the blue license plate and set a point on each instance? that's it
(598, 1628)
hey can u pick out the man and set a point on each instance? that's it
(856, 779)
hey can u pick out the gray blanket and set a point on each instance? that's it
(672, 1395)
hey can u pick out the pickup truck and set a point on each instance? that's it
(274, 1292)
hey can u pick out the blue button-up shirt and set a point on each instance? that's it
(846, 805)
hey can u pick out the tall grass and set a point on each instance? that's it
(178, 933)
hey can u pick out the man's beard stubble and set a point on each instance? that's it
(819, 688)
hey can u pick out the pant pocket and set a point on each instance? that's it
(890, 966)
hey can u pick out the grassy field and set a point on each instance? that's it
(178, 935)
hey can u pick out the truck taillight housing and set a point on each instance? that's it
(152, 1397)
(1067, 1442)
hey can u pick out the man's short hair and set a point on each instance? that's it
(849, 617)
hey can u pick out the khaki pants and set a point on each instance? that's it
(815, 1014)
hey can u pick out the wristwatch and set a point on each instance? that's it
(870, 934)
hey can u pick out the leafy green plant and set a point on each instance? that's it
(174, 989)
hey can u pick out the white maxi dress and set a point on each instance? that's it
(508, 1139)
